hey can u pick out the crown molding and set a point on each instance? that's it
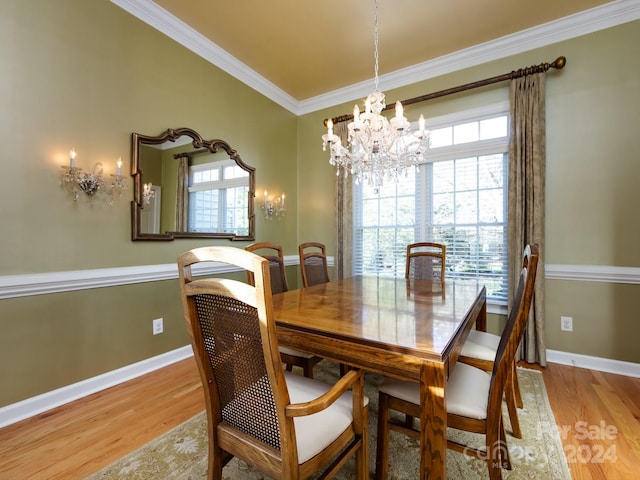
(592, 20)
(589, 21)
(160, 19)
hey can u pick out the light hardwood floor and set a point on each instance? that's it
(598, 414)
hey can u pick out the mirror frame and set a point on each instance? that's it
(198, 142)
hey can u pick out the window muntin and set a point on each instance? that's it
(459, 199)
(218, 198)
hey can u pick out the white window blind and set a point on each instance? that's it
(218, 198)
(459, 198)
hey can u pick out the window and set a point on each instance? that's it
(218, 198)
(459, 198)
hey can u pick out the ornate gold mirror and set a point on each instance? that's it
(187, 187)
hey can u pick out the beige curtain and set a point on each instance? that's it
(182, 194)
(344, 214)
(526, 207)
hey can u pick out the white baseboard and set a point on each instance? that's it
(33, 406)
(594, 363)
(41, 403)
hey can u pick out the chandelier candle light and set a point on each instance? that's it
(380, 149)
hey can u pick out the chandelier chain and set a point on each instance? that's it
(375, 45)
(380, 148)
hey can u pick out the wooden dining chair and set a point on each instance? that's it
(426, 260)
(285, 425)
(480, 349)
(473, 397)
(313, 263)
(274, 254)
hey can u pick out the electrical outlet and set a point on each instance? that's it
(157, 326)
(566, 324)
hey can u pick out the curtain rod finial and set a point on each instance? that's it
(560, 63)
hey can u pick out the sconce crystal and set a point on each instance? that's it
(273, 206)
(147, 193)
(93, 184)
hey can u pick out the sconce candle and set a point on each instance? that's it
(275, 207)
(92, 183)
(147, 193)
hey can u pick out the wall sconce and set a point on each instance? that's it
(147, 193)
(273, 206)
(93, 184)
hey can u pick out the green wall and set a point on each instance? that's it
(87, 74)
(593, 168)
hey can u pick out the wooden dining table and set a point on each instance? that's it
(406, 329)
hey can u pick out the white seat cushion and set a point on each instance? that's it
(295, 353)
(315, 432)
(481, 345)
(467, 391)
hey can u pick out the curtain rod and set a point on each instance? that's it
(559, 63)
(191, 154)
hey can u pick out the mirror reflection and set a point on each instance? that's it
(187, 187)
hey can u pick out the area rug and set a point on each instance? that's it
(181, 454)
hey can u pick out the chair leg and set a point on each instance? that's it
(505, 457)
(216, 462)
(513, 412)
(495, 472)
(516, 387)
(382, 449)
(512, 402)
(362, 455)
(307, 369)
(495, 446)
(408, 421)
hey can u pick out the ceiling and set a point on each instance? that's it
(308, 48)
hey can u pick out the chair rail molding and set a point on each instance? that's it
(55, 282)
(12, 286)
(593, 273)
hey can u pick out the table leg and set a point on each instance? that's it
(433, 422)
(481, 321)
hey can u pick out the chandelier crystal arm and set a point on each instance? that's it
(379, 149)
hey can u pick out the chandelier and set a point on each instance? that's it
(380, 149)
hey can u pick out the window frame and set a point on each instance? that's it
(221, 185)
(477, 149)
